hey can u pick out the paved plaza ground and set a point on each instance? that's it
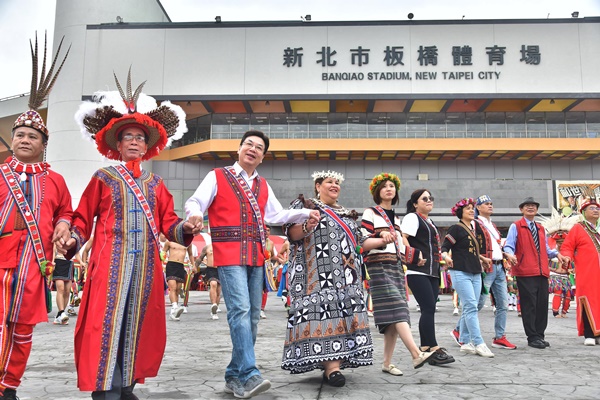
(198, 349)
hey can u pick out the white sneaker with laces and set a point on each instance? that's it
(214, 309)
(214, 316)
(176, 312)
(483, 351)
(468, 348)
(589, 342)
(64, 318)
(262, 314)
(184, 309)
(218, 309)
(455, 312)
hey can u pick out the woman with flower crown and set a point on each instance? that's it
(328, 327)
(384, 265)
(467, 242)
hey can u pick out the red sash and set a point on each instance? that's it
(34, 234)
(383, 215)
(349, 234)
(255, 207)
(139, 195)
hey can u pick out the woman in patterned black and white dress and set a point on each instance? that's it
(328, 327)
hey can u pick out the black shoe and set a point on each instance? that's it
(335, 379)
(440, 357)
(545, 343)
(538, 344)
(9, 394)
(127, 393)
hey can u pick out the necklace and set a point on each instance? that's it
(34, 170)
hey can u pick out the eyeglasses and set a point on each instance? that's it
(129, 138)
(427, 199)
(591, 208)
(250, 144)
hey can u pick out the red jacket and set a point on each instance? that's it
(530, 262)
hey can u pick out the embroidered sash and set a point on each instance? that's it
(349, 234)
(253, 203)
(35, 240)
(139, 196)
(383, 215)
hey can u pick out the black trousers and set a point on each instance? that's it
(426, 289)
(533, 292)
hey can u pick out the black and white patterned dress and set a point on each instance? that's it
(328, 317)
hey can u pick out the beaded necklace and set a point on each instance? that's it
(24, 169)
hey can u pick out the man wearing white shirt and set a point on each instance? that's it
(239, 203)
(495, 279)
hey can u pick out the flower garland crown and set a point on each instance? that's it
(328, 174)
(385, 176)
(462, 203)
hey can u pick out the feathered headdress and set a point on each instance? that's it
(104, 118)
(587, 198)
(557, 225)
(328, 174)
(40, 89)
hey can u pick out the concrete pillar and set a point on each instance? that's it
(68, 153)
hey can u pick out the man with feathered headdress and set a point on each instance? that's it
(120, 335)
(35, 210)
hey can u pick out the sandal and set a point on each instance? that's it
(335, 379)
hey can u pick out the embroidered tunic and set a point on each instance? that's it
(327, 316)
(124, 295)
(583, 246)
(50, 202)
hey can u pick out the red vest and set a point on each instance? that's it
(530, 262)
(233, 227)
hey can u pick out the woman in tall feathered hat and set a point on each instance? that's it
(110, 114)
(131, 207)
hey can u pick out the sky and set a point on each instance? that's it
(15, 59)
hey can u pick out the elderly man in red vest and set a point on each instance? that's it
(239, 204)
(527, 250)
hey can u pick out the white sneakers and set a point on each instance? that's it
(63, 319)
(214, 316)
(176, 311)
(467, 348)
(589, 342)
(262, 314)
(455, 312)
(481, 350)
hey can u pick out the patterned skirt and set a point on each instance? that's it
(328, 325)
(560, 283)
(388, 293)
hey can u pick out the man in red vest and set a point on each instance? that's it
(527, 250)
(239, 203)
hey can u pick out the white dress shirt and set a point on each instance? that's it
(275, 214)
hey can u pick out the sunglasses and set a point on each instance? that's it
(427, 199)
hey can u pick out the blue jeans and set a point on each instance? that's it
(242, 290)
(496, 281)
(468, 287)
